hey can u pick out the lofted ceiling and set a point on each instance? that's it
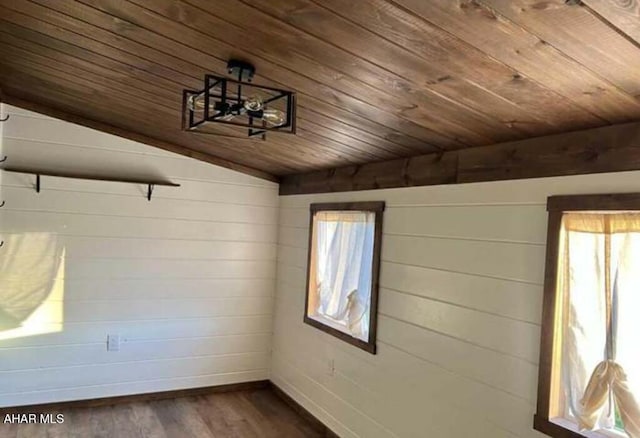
(376, 79)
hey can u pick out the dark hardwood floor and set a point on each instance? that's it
(252, 414)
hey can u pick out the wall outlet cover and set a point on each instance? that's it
(113, 342)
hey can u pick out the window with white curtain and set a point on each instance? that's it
(344, 258)
(590, 353)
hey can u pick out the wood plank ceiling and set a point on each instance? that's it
(376, 79)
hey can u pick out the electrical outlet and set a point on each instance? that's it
(113, 342)
(331, 367)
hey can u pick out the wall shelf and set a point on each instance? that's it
(39, 173)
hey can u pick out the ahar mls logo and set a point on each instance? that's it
(33, 418)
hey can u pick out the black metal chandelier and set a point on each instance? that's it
(238, 102)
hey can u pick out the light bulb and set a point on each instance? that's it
(253, 103)
(195, 102)
(273, 117)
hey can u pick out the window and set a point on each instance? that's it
(343, 267)
(589, 381)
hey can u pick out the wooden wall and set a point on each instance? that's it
(459, 320)
(187, 279)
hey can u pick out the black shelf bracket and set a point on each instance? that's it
(40, 173)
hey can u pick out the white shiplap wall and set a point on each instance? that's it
(459, 317)
(186, 280)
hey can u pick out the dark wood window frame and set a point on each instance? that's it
(376, 207)
(556, 206)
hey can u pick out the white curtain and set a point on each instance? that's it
(343, 258)
(599, 278)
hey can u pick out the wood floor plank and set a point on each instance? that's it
(102, 422)
(255, 413)
(180, 420)
(125, 422)
(78, 422)
(212, 416)
(8, 430)
(274, 407)
(31, 431)
(149, 425)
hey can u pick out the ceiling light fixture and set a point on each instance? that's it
(238, 102)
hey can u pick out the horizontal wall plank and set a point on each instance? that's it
(511, 337)
(310, 405)
(123, 289)
(382, 384)
(510, 223)
(293, 237)
(517, 300)
(459, 311)
(186, 280)
(293, 256)
(33, 127)
(337, 408)
(131, 227)
(140, 268)
(462, 355)
(102, 374)
(507, 373)
(132, 351)
(513, 223)
(128, 248)
(369, 407)
(128, 388)
(27, 199)
(513, 262)
(143, 330)
(158, 309)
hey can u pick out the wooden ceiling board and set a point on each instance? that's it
(317, 148)
(146, 125)
(622, 14)
(74, 83)
(201, 29)
(356, 76)
(146, 90)
(563, 26)
(375, 79)
(403, 39)
(106, 27)
(533, 57)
